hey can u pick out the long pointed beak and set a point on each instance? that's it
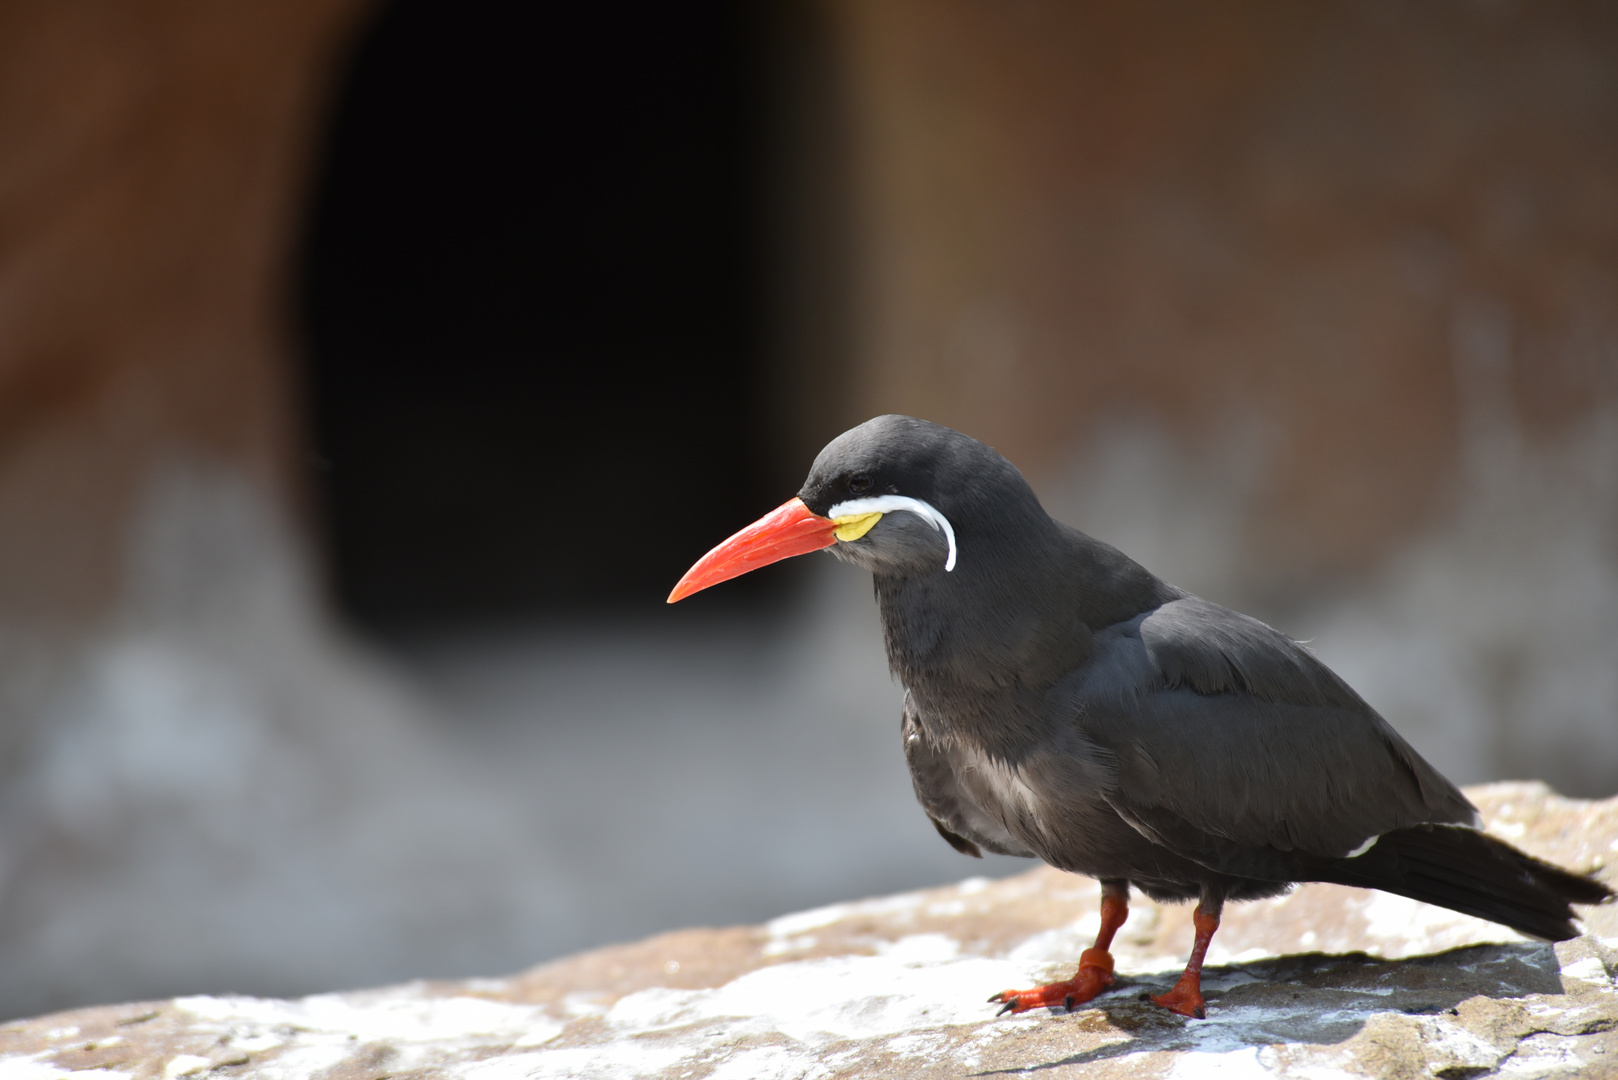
(790, 529)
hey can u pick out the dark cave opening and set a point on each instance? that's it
(530, 297)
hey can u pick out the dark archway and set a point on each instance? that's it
(531, 303)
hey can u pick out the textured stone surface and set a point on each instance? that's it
(1325, 982)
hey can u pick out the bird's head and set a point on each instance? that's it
(896, 495)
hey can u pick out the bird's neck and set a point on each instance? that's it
(958, 637)
(1019, 624)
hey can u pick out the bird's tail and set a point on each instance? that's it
(1471, 872)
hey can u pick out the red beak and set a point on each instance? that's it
(790, 529)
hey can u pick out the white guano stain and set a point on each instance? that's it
(1405, 927)
(801, 922)
(186, 1065)
(32, 1068)
(912, 991)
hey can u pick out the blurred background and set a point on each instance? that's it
(370, 370)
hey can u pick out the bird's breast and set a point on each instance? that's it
(1037, 793)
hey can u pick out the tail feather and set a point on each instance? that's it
(1471, 872)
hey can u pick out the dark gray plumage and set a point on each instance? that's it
(1064, 703)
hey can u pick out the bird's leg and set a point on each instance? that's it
(1186, 996)
(1095, 963)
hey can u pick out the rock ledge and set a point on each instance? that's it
(1325, 982)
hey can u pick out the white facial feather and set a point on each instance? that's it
(888, 504)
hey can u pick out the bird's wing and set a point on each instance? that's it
(959, 820)
(1229, 739)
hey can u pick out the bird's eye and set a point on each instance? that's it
(859, 483)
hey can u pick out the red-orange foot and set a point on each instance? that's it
(1185, 999)
(1094, 976)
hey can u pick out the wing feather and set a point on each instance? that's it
(1230, 740)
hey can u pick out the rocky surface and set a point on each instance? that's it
(1324, 982)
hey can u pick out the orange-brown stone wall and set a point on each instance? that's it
(1318, 221)
(1330, 225)
(153, 158)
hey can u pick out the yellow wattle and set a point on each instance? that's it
(855, 526)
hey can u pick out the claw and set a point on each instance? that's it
(1095, 963)
(1093, 978)
(1184, 998)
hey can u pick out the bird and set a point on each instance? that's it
(1064, 703)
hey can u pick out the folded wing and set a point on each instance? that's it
(1234, 746)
